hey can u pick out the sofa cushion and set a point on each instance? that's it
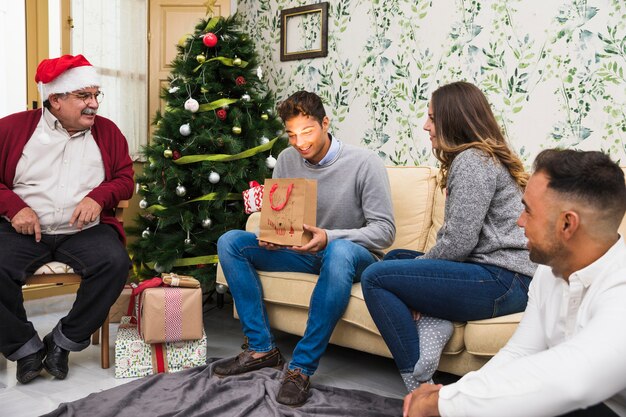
(294, 289)
(412, 191)
(487, 337)
(54, 267)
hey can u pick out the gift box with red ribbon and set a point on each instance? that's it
(136, 358)
(167, 314)
(253, 197)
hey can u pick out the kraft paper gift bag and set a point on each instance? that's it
(288, 203)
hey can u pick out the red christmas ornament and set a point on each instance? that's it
(176, 155)
(221, 114)
(209, 39)
(240, 81)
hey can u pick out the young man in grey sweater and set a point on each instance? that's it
(354, 223)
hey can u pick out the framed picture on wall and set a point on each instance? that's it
(304, 32)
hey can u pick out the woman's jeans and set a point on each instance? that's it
(455, 291)
(338, 266)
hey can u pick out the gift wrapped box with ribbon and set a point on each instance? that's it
(253, 197)
(136, 358)
(167, 313)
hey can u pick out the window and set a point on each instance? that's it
(112, 35)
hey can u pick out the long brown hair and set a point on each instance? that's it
(463, 119)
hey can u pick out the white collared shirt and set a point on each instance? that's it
(335, 145)
(568, 352)
(55, 172)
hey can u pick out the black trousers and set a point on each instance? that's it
(97, 254)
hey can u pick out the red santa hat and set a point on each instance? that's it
(65, 74)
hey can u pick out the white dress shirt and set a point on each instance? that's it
(569, 351)
(55, 172)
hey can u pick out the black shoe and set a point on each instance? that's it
(244, 362)
(56, 358)
(295, 389)
(29, 367)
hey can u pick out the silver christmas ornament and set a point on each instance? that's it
(160, 199)
(245, 97)
(181, 190)
(173, 90)
(185, 129)
(146, 233)
(264, 140)
(214, 177)
(259, 73)
(206, 223)
(270, 162)
(143, 204)
(221, 288)
(187, 241)
(192, 105)
(158, 268)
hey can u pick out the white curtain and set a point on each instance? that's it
(112, 35)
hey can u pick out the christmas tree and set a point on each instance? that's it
(218, 132)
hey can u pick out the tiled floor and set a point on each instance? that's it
(339, 367)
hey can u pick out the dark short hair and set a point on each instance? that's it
(588, 176)
(302, 103)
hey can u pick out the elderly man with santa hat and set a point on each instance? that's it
(63, 170)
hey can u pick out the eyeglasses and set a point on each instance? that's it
(86, 97)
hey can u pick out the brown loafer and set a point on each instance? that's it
(294, 390)
(244, 362)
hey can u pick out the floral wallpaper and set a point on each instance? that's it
(553, 70)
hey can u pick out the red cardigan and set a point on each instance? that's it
(17, 129)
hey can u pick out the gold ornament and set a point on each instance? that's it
(200, 58)
(264, 116)
(167, 153)
(183, 40)
(237, 62)
(236, 130)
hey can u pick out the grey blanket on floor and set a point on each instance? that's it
(196, 392)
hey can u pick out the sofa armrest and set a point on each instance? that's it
(253, 223)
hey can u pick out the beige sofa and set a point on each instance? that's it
(418, 209)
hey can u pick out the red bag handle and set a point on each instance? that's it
(284, 203)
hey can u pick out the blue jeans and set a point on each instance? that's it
(455, 291)
(338, 266)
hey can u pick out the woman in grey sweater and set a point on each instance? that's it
(479, 267)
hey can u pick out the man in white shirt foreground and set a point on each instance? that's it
(569, 351)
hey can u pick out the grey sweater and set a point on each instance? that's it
(480, 225)
(353, 195)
